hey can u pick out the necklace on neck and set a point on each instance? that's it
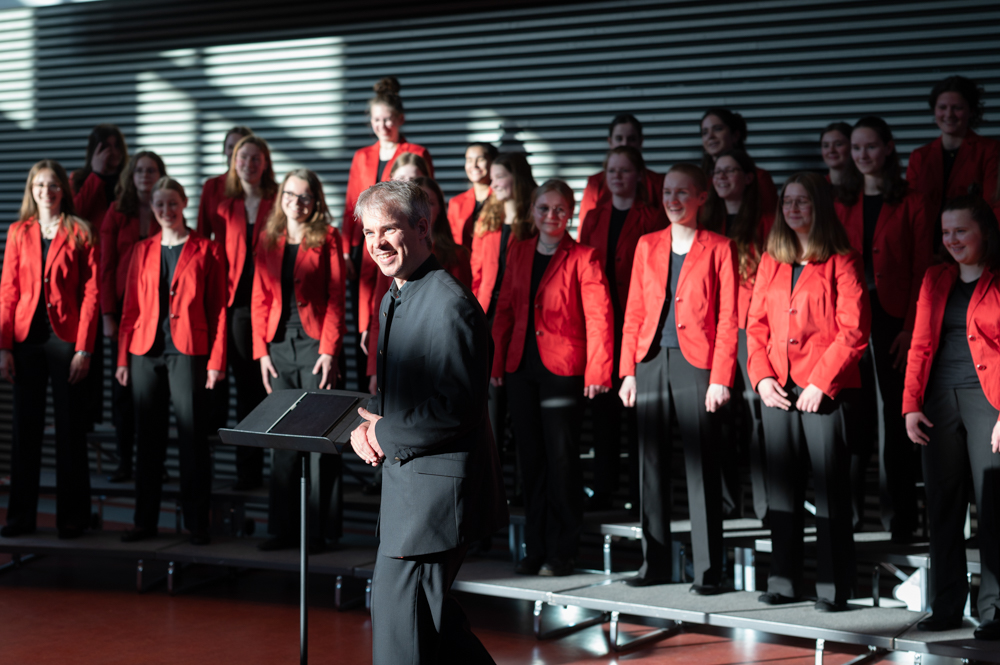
(547, 248)
(49, 230)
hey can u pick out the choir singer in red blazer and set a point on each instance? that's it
(625, 130)
(373, 163)
(249, 198)
(737, 213)
(464, 209)
(48, 325)
(807, 329)
(613, 229)
(298, 332)
(127, 222)
(946, 167)
(172, 350)
(214, 189)
(679, 354)
(887, 223)
(952, 408)
(554, 344)
(721, 131)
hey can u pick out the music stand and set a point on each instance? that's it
(304, 421)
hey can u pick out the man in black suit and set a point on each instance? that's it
(428, 425)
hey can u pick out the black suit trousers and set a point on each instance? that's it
(249, 389)
(158, 382)
(415, 618)
(791, 438)
(34, 366)
(545, 412)
(294, 358)
(959, 452)
(667, 382)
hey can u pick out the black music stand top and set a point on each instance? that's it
(318, 421)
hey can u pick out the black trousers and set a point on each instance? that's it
(294, 358)
(249, 390)
(122, 415)
(608, 414)
(747, 409)
(158, 382)
(898, 461)
(415, 618)
(95, 381)
(862, 430)
(791, 437)
(545, 412)
(959, 452)
(34, 366)
(667, 382)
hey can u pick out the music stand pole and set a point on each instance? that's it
(303, 569)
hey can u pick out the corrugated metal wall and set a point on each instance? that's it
(175, 75)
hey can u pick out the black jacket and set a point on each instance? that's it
(442, 484)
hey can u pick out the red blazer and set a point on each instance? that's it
(641, 219)
(197, 302)
(574, 324)
(818, 332)
(233, 230)
(319, 294)
(596, 191)
(70, 283)
(746, 286)
(705, 302)
(363, 175)
(212, 194)
(485, 263)
(976, 161)
(118, 237)
(90, 202)
(460, 209)
(901, 251)
(982, 328)
(459, 270)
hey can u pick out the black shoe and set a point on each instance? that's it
(528, 566)
(557, 568)
(277, 543)
(70, 532)
(824, 605)
(200, 538)
(710, 589)
(245, 485)
(13, 531)
(771, 598)
(120, 476)
(638, 581)
(596, 503)
(138, 533)
(988, 630)
(935, 624)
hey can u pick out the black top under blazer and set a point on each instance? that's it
(442, 484)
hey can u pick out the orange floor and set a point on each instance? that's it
(81, 611)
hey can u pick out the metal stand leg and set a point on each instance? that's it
(874, 655)
(171, 577)
(654, 636)
(738, 568)
(368, 594)
(607, 554)
(876, 578)
(564, 630)
(750, 569)
(138, 577)
(820, 646)
(303, 570)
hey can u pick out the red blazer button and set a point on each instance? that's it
(980, 367)
(793, 341)
(972, 338)
(538, 333)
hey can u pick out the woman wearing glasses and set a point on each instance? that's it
(48, 324)
(807, 329)
(554, 344)
(250, 195)
(679, 355)
(298, 332)
(721, 131)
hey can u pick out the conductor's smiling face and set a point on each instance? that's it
(396, 247)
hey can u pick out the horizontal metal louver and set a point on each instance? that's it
(543, 77)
